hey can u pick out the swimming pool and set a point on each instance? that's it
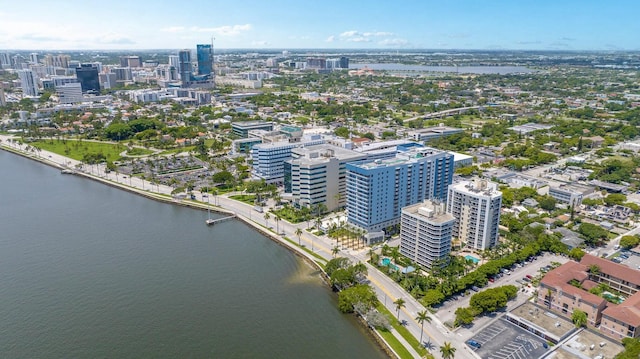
(472, 258)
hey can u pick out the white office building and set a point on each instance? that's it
(28, 82)
(476, 207)
(317, 175)
(69, 93)
(425, 233)
(269, 158)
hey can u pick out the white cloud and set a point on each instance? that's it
(377, 34)
(393, 42)
(260, 43)
(330, 39)
(349, 33)
(225, 30)
(115, 39)
(357, 36)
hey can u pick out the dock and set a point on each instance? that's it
(211, 222)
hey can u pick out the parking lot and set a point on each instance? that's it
(446, 312)
(631, 260)
(503, 340)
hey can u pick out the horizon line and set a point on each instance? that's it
(334, 49)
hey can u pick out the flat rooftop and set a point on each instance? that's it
(544, 319)
(340, 153)
(579, 347)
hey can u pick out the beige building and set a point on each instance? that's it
(566, 289)
(425, 233)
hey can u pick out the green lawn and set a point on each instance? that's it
(77, 149)
(246, 198)
(137, 151)
(402, 330)
(395, 344)
(177, 150)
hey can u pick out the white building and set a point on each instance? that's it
(269, 158)
(317, 175)
(28, 82)
(69, 93)
(476, 207)
(425, 233)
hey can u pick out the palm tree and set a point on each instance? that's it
(299, 233)
(266, 219)
(277, 219)
(400, 303)
(422, 317)
(335, 251)
(447, 351)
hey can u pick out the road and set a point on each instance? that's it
(388, 291)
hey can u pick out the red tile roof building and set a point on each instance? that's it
(565, 289)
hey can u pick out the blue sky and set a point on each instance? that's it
(344, 24)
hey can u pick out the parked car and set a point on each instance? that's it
(474, 344)
(491, 280)
(475, 289)
(529, 276)
(526, 279)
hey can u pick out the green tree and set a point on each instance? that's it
(576, 253)
(358, 294)
(342, 132)
(299, 234)
(548, 203)
(447, 351)
(628, 242)
(464, 316)
(423, 316)
(399, 303)
(615, 199)
(579, 318)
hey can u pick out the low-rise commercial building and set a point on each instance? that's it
(615, 312)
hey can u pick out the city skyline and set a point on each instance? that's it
(281, 24)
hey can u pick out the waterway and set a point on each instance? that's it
(90, 271)
(501, 70)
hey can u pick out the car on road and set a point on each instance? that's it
(474, 344)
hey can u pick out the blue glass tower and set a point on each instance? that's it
(204, 53)
(378, 190)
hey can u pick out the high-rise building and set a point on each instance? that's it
(317, 175)
(174, 61)
(425, 233)
(87, 74)
(130, 61)
(57, 60)
(344, 62)
(18, 61)
(5, 60)
(3, 100)
(33, 58)
(269, 158)
(476, 207)
(185, 67)
(204, 54)
(378, 190)
(69, 93)
(122, 73)
(28, 82)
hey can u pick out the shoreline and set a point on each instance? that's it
(278, 239)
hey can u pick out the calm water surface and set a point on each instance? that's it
(90, 271)
(502, 70)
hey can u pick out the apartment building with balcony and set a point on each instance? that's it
(425, 233)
